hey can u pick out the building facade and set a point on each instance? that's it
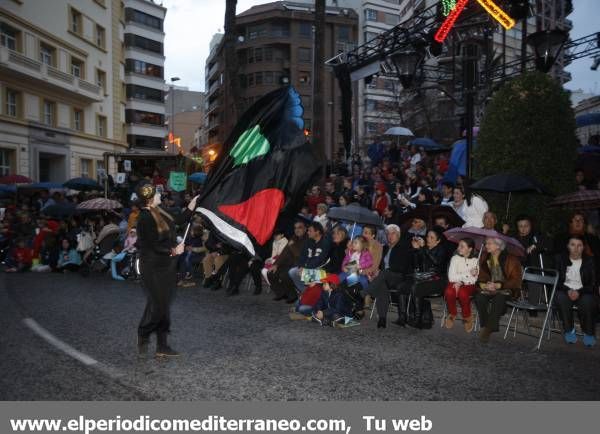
(185, 116)
(144, 62)
(274, 48)
(61, 87)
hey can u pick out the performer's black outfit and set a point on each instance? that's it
(159, 278)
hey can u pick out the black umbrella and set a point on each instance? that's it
(356, 214)
(82, 184)
(509, 183)
(60, 210)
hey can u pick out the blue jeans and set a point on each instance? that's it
(296, 279)
(304, 309)
(364, 282)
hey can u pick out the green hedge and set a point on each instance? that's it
(529, 129)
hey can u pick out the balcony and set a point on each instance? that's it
(40, 75)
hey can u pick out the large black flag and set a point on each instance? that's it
(264, 168)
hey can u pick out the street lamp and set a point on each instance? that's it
(547, 45)
(406, 63)
(172, 120)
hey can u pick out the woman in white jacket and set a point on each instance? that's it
(462, 276)
(279, 243)
(470, 207)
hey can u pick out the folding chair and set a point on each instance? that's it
(445, 315)
(534, 301)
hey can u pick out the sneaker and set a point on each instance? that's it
(297, 316)
(469, 324)
(188, 276)
(570, 337)
(589, 340)
(449, 323)
(166, 352)
(188, 284)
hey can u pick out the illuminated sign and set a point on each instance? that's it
(491, 8)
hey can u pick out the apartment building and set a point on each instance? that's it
(60, 86)
(275, 47)
(144, 62)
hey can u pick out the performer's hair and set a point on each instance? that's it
(159, 215)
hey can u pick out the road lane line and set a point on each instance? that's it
(58, 344)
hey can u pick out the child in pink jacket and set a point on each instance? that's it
(357, 260)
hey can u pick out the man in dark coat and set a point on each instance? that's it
(281, 284)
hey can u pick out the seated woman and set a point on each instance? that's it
(68, 258)
(576, 286)
(462, 276)
(357, 261)
(333, 304)
(429, 256)
(500, 278)
(279, 243)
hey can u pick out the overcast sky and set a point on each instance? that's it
(190, 25)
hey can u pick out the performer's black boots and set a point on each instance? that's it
(142, 344)
(162, 348)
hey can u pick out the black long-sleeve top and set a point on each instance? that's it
(152, 243)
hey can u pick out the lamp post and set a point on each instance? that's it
(547, 45)
(406, 63)
(172, 120)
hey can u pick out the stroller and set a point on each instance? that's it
(95, 261)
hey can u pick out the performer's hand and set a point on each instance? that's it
(178, 250)
(192, 204)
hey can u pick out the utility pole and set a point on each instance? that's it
(318, 98)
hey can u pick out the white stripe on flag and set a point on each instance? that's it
(228, 230)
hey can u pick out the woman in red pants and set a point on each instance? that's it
(462, 275)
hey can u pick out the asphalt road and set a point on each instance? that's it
(246, 348)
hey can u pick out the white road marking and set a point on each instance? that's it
(58, 344)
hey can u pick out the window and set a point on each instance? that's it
(250, 55)
(268, 77)
(371, 105)
(344, 34)
(304, 55)
(142, 117)
(369, 36)
(86, 167)
(100, 36)
(280, 29)
(77, 68)
(250, 80)
(258, 55)
(256, 31)
(101, 79)
(258, 78)
(8, 37)
(392, 19)
(76, 21)
(243, 81)
(47, 54)
(77, 119)
(388, 85)
(132, 40)
(142, 92)
(371, 127)
(145, 142)
(140, 67)
(143, 18)
(5, 162)
(370, 15)
(268, 51)
(49, 111)
(304, 78)
(306, 29)
(101, 126)
(12, 103)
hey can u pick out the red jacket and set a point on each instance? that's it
(313, 201)
(22, 255)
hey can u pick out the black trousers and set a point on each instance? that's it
(491, 308)
(159, 280)
(281, 284)
(380, 288)
(237, 264)
(587, 305)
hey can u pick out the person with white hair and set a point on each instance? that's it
(500, 278)
(321, 216)
(395, 266)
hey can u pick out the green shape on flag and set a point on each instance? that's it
(177, 181)
(249, 145)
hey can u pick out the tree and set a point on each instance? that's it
(529, 129)
(232, 85)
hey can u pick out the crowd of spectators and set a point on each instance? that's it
(333, 272)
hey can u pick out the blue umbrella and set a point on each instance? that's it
(8, 188)
(60, 210)
(82, 184)
(40, 186)
(589, 149)
(425, 143)
(198, 178)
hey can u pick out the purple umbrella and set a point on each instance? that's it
(513, 246)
